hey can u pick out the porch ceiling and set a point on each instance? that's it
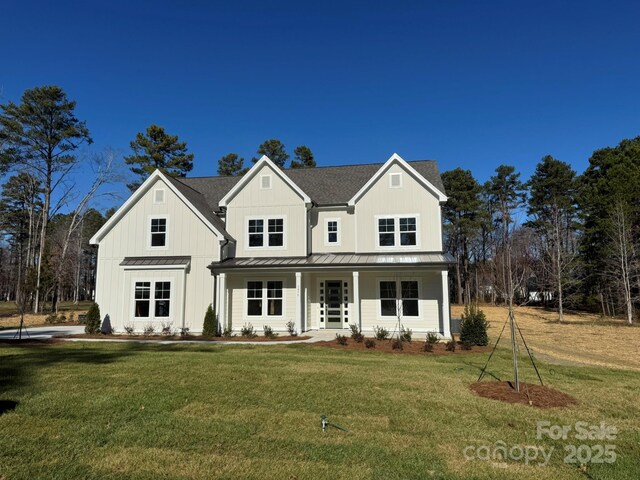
(340, 260)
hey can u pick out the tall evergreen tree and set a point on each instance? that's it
(303, 158)
(230, 165)
(156, 149)
(274, 149)
(463, 214)
(552, 209)
(41, 135)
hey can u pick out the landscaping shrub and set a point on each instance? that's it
(356, 334)
(427, 347)
(291, 328)
(210, 325)
(148, 330)
(129, 329)
(341, 339)
(92, 321)
(405, 334)
(248, 331)
(166, 328)
(432, 339)
(370, 343)
(184, 332)
(72, 317)
(466, 345)
(473, 328)
(268, 332)
(451, 346)
(51, 318)
(397, 344)
(227, 332)
(381, 333)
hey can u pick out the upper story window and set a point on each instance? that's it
(265, 182)
(158, 234)
(332, 232)
(395, 180)
(397, 231)
(158, 195)
(265, 232)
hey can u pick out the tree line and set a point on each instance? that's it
(561, 239)
(45, 223)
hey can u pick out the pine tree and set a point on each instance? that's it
(210, 327)
(303, 158)
(274, 149)
(230, 165)
(155, 149)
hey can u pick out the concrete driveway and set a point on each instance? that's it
(42, 332)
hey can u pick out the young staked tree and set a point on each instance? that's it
(507, 193)
(156, 149)
(303, 158)
(230, 165)
(463, 214)
(40, 136)
(552, 208)
(274, 149)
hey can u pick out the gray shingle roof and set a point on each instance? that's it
(348, 260)
(155, 261)
(325, 185)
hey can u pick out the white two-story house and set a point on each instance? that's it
(324, 247)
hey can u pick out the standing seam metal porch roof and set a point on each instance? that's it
(155, 261)
(324, 260)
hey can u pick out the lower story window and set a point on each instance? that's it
(399, 297)
(161, 299)
(268, 293)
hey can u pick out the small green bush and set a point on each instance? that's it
(166, 328)
(248, 331)
(473, 328)
(227, 332)
(268, 332)
(129, 329)
(92, 321)
(341, 339)
(148, 330)
(210, 325)
(381, 333)
(370, 343)
(406, 334)
(356, 334)
(451, 346)
(291, 328)
(397, 344)
(184, 332)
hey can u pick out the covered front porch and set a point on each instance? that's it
(333, 292)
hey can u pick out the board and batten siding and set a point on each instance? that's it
(278, 201)
(410, 198)
(346, 227)
(186, 235)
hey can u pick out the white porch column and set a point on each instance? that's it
(299, 315)
(222, 301)
(356, 300)
(446, 321)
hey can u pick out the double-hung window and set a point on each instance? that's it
(158, 232)
(265, 298)
(397, 231)
(399, 297)
(332, 232)
(161, 300)
(265, 232)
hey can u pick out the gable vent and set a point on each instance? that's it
(158, 196)
(395, 180)
(265, 182)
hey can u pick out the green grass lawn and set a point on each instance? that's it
(144, 411)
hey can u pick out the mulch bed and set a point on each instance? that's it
(530, 394)
(279, 338)
(412, 348)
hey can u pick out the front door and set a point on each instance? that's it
(333, 303)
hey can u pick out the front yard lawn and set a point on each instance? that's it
(127, 411)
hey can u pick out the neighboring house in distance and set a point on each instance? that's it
(324, 247)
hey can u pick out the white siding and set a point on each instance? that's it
(347, 224)
(411, 198)
(186, 235)
(278, 201)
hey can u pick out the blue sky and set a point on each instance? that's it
(470, 84)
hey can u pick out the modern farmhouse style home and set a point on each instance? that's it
(324, 247)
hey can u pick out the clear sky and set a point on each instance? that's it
(468, 83)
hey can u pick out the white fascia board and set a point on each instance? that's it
(252, 173)
(137, 195)
(395, 158)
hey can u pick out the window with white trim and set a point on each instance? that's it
(158, 232)
(265, 182)
(399, 297)
(272, 236)
(261, 294)
(158, 195)
(395, 180)
(143, 300)
(397, 231)
(332, 231)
